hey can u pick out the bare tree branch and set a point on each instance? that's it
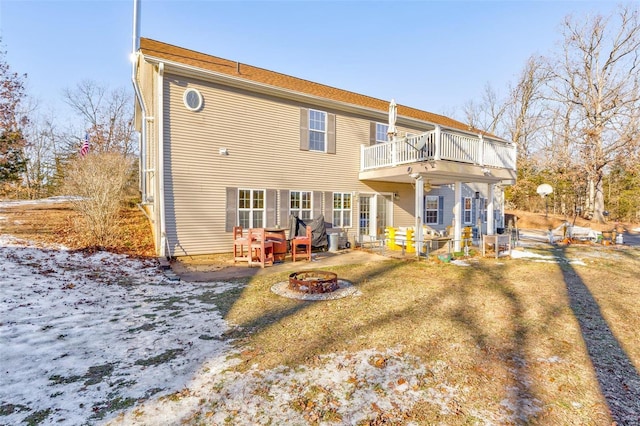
(108, 116)
(596, 73)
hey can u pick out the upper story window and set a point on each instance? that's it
(251, 208)
(317, 130)
(300, 204)
(381, 132)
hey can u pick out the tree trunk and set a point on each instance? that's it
(591, 195)
(598, 203)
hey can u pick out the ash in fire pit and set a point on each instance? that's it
(313, 282)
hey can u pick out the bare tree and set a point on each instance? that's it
(597, 74)
(521, 118)
(108, 114)
(487, 114)
(472, 111)
(42, 154)
(560, 159)
(99, 180)
(525, 120)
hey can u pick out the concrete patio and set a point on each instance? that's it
(222, 269)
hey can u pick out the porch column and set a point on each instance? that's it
(457, 216)
(419, 209)
(491, 226)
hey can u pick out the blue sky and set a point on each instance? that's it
(432, 55)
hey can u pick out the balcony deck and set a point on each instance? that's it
(453, 155)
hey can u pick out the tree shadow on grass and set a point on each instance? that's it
(618, 379)
(522, 397)
(509, 356)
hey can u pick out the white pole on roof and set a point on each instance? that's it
(136, 26)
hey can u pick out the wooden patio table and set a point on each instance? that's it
(279, 239)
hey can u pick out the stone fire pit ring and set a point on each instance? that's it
(315, 280)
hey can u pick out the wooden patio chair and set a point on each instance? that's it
(240, 245)
(301, 246)
(260, 250)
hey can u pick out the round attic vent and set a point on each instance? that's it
(192, 99)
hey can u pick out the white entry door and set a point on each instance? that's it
(374, 214)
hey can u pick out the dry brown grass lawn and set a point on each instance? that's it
(547, 337)
(500, 327)
(58, 223)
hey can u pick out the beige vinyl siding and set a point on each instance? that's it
(194, 207)
(403, 206)
(262, 136)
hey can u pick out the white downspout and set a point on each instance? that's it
(143, 122)
(160, 168)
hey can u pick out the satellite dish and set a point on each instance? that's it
(544, 190)
(416, 142)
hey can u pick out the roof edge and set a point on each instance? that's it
(242, 74)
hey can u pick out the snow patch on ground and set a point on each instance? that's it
(344, 388)
(523, 254)
(84, 334)
(94, 338)
(460, 262)
(50, 200)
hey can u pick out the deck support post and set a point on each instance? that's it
(491, 225)
(418, 237)
(457, 216)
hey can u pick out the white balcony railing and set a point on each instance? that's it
(440, 145)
